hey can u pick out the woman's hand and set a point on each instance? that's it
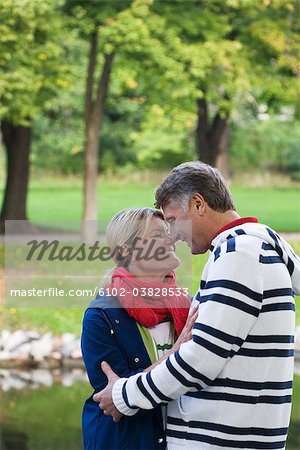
(184, 336)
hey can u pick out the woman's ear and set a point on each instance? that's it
(123, 252)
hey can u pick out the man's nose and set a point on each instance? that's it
(173, 233)
(170, 241)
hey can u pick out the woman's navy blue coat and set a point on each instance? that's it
(110, 334)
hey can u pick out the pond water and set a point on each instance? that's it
(42, 410)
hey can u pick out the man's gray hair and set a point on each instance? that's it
(191, 178)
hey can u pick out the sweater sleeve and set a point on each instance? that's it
(230, 303)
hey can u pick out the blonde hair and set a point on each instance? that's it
(123, 228)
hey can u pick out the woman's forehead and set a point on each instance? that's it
(156, 223)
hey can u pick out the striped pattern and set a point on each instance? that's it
(232, 383)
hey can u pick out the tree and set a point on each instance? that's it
(129, 32)
(90, 16)
(33, 70)
(230, 48)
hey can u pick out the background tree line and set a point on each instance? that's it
(92, 85)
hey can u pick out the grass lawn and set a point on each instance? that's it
(52, 200)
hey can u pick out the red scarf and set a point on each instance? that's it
(150, 310)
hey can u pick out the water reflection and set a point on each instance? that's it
(35, 378)
(41, 409)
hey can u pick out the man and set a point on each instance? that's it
(233, 380)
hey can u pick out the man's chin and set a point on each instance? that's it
(194, 249)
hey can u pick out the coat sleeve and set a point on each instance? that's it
(230, 303)
(99, 344)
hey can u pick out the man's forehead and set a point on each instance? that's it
(170, 210)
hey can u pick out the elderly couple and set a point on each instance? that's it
(208, 373)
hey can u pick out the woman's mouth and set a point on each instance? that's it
(170, 249)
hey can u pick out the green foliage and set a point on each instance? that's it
(33, 52)
(86, 14)
(57, 146)
(166, 56)
(59, 133)
(292, 155)
(162, 148)
(266, 145)
(237, 46)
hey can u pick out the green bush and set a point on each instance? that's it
(266, 145)
(162, 148)
(57, 145)
(116, 146)
(293, 160)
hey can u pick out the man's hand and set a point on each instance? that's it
(104, 397)
(186, 333)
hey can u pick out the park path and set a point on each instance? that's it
(290, 237)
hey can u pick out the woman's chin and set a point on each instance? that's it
(170, 264)
(166, 265)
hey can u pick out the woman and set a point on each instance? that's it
(133, 323)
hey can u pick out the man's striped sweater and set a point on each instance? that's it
(233, 381)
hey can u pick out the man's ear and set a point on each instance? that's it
(199, 204)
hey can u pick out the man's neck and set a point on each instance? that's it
(220, 220)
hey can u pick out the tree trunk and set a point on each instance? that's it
(17, 143)
(202, 132)
(94, 110)
(212, 139)
(222, 161)
(91, 151)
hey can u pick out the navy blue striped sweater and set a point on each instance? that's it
(231, 385)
